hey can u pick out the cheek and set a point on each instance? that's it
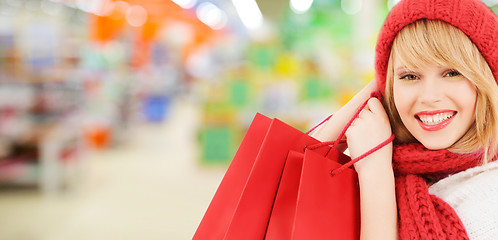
(465, 95)
(403, 99)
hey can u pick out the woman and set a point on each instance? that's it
(437, 65)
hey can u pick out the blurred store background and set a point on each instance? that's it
(119, 118)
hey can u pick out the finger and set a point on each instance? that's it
(363, 113)
(359, 115)
(348, 131)
(367, 108)
(375, 106)
(352, 123)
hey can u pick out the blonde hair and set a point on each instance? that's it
(437, 42)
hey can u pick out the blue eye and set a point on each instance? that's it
(409, 77)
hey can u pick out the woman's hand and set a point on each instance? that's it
(375, 174)
(367, 131)
(332, 128)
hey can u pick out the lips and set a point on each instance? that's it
(435, 120)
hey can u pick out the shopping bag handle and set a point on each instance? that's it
(336, 171)
(325, 120)
(339, 139)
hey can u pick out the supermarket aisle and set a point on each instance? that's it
(150, 188)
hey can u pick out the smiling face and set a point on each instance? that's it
(440, 91)
(435, 103)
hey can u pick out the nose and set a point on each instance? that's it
(431, 91)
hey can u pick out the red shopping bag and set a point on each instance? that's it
(327, 206)
(310, 204)
(318, 195)
(241, 207)
(284, 209)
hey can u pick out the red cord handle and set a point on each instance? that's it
(339, 139)
(336, 171)
(311, 130)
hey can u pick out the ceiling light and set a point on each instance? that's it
(185, 3)
(211, 15)
(136, 16)
(351, 7)
(249, 13)
(300, 6)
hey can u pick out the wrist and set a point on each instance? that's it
(376, 172)
(377, 164)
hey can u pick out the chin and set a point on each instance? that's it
(436, 145)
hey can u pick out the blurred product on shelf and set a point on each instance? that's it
(156, 108)
(99, 68)
(73, 80)
(217, 143)
(39, 134)
(299, 75)
(98, 137)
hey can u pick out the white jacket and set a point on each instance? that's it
(473, 194)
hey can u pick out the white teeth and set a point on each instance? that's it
(436, 118)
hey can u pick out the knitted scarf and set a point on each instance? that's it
(422, 215)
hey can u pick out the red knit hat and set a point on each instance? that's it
(472, 17)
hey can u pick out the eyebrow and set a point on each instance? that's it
(401, 69)
(406, 69)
